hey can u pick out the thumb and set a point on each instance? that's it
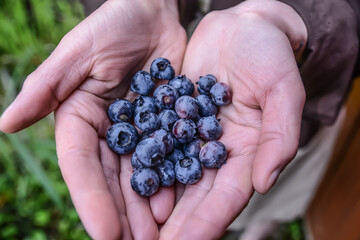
(50, 83)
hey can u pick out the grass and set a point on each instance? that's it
(34, 200)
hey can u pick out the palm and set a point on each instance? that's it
(91, 67)
(261, 126)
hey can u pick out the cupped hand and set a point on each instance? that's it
(254, 55)
(92, 66)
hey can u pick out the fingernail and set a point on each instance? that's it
(272, 179)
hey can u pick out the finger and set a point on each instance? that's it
(142, 222)
(162, 204)
(111, 168)
(79, 153)
(190, 199)
(279, 136)
(231, 190)
(50, 83)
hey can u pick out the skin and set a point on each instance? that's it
(89, 69)
(250, 47)
(261, 126)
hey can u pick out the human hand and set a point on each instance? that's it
(250, 47)
(93, 65)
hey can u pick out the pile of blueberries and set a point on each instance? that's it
(178, 133)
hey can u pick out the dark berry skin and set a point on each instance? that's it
(135, 163)
(120, 111)
(213, 154)
(175, 155)
(144, 103)
(186, 107)
(221, 94)
(184, 130)
(205, 83)
(192, 149)
(178, 144)
(167, 119)
(188, 170)
(150, 152)
(161, 69)
(166, 173)
(183, 85)
(165, 137)
(147, 121)
(145, 182)
(209, 128)
(206, 106)
(122, 137)
(142, 83)
(165, 97)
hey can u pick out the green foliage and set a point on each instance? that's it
(34, 200)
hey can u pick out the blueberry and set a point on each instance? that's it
(183, 85)
(145, 182)
(135, 163)
(206, 106)
(178, 144)
(122, 137)
(213, 154)
(120, 111)
(161, 69)
(167, 119)
(205, 83)
(184, 130)
(175, 155)
(165, 97)
(209, 128)
(142, 83)
(150, 152)
(165, 137)
(147, 121)
(192, 149)
(144, 103)
(186, 107)
(188, 170)
(166, 173)
(221, 94)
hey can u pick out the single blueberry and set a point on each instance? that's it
(150, 152)
(166, 173)
(144, 103)
(167, 119)
(206, 106)
(145, 182)
(213, 154)
(183, 85)
(175, 155)
(165, 137)
(188, 170)
(192, 149)
(142, 83)
(121, 110)
(184, 130)
(135, 163)
(147, 121)
(209, 128)
(205, 83)
(161, 69)
(122, 137)
(165, 97)
(186, 107)
(221, 94)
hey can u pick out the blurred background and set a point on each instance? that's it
(34, 200)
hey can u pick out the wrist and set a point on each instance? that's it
(282, 16)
